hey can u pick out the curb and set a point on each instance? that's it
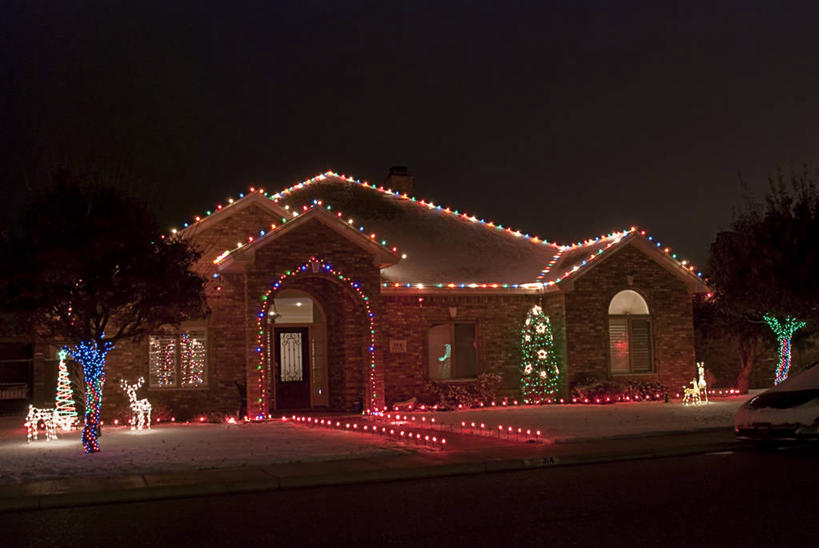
(655, 434)
(279, 483)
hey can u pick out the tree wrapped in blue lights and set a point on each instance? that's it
(91, 354)
(90, 268)
(540, 370)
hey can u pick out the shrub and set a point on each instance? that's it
(483, 389)
(597, 390)
(592, 389)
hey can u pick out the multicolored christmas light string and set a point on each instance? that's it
(471, 218)
(91, 356)
(317, 204)
(324, 269)
(784, 332)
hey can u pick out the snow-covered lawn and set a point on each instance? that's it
(582, 422)
(172, 447)
(179, 447)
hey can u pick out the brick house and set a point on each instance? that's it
(340, 294)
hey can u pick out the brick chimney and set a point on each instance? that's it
(399, 180)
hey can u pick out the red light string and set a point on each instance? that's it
(391, 433)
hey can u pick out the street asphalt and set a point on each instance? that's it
(470, 455)
(726, 497)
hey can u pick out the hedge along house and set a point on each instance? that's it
(341, 294)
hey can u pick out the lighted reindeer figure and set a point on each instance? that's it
(48, 416)
(140, 409)
(692, 395)
(701, 384)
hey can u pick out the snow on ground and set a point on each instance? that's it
(177, 447)
(172, 447)
(582, 422)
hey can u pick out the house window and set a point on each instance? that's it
(178, 361)
(452, 351)
(630, 334)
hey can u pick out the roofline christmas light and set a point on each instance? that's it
(444, 209)
(317, 204)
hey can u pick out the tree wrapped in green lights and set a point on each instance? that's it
(784, 331)
(540, 370)
(764, 268)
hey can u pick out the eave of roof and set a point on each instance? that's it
(654, 250)
(384, 257)
(557, 269)
(201, 222)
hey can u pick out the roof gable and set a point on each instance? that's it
(382, 256)
(221, 213)
(440, 247)
(577, 266)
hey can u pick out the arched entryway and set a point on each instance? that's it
(296, 334)
(316, 343)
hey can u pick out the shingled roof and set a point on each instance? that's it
(445, 248)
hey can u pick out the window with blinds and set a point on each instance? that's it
(640, 345)
(630, 334)
(618, 345)
(630, 345)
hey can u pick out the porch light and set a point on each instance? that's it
(272, 314)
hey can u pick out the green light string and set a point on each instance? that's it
(784, 332)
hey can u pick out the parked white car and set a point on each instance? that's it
(788, 411)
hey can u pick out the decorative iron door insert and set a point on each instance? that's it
(292, 367)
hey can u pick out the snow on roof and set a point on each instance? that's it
(578, 256)
(437, 245)
(441, 247)
(322, 213)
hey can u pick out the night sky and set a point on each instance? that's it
(562, 119)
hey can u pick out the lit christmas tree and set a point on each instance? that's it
(540, 376)
(64, 402)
